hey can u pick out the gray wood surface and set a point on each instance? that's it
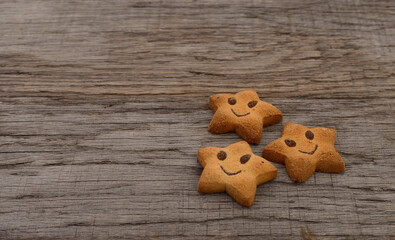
(104, 104)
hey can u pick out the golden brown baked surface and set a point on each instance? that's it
(243, 113)
(235, 170)
(305, 150)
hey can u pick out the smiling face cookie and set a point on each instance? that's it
(234, 169)
(243, 113)
(305, 150)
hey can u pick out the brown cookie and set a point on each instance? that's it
(243, 113)
(234, 169)
(305, 150)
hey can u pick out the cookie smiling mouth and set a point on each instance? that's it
(312, 152)
(237, 115)
(229, 173)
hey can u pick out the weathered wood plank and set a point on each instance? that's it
(103, 107)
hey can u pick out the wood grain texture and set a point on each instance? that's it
(103, 106)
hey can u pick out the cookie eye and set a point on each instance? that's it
(232, 101)
(221, 155)
(244, 159)
(290, 143)
(309, 135)
(252, 104)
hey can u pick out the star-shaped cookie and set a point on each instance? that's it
(234, 169)
(305, 150)
(243, 113)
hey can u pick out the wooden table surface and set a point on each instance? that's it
(104, 104)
